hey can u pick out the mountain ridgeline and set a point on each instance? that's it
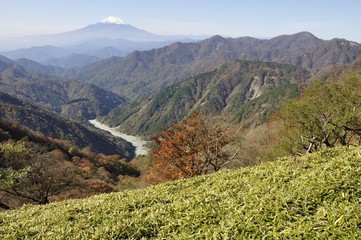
(80, 101)
(240, 81)
(146, 72)
(244, 91)
(35, 67)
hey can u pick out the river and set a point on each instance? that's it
(138, 143)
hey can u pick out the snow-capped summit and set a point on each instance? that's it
(112, 20)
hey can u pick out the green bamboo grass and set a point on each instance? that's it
(313, 197)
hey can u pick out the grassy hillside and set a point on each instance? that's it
(314, 197)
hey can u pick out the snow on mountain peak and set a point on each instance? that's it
(112, 20)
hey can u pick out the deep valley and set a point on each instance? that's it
(180, 137)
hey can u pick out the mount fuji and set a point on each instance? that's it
(112, 20)
(112, 28)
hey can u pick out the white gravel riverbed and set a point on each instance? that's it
(138, 143)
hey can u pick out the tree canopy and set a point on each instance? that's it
(325, 116)
(32, 175)
(189, 148)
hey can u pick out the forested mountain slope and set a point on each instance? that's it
(146, 72)
(54, 126)
(80, 101)
(238, 91)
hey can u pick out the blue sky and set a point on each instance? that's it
(234, 18)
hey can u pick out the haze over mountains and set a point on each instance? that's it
(112, 28)
(109, 37)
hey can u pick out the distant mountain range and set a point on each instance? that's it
(35, 67)
(104, 29)
(107, 38)
(145, 72)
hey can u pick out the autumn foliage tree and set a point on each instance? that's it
(189, 148)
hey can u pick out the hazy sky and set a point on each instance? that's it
(258, 18)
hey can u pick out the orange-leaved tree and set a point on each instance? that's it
(189, 148)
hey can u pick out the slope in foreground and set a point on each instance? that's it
(318, 196)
